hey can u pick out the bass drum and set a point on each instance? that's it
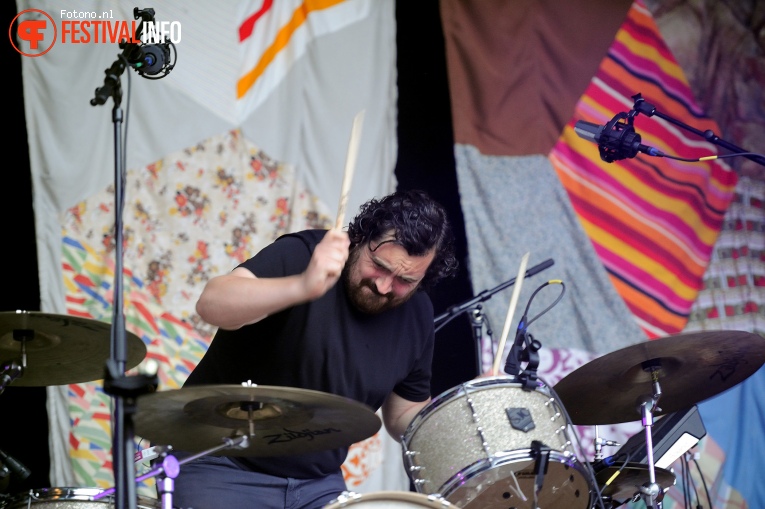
(489, 443)
(389, 500)
(71, 498)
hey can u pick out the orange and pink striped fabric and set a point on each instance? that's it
(653, 221)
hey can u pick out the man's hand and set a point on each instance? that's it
(326, 264)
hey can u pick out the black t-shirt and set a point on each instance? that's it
(325, 345)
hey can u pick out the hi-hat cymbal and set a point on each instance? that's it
(691, 367)
(60, 349)
(629, 480)
(278, 420)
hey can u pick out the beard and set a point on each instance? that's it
(363, 292)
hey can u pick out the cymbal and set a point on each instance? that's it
(691, 367)
(60, 349)
(278, 420)
(630, 479)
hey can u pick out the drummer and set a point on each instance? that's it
(328, 310)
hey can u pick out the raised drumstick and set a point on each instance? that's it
(350, 165)
(510, 312)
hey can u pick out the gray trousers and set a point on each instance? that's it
(215, 482)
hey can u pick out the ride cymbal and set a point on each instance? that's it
(60, 349)
(689, 367)
(278, 420)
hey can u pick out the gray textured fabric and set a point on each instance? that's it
(514, 205)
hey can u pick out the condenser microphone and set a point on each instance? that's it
(616, 140)
(151, 59)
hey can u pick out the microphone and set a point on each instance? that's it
(17, 469)
(616, 140)
(150, 59)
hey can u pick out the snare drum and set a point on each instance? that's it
(389, 500)
(71, 498)
(477, 445)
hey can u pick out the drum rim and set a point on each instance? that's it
(352, 497)
(68, 493)
(506, 458)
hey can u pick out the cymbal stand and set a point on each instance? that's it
(600, 442)
(169, 467)
(650, 491)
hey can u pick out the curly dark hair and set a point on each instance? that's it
(420, 224)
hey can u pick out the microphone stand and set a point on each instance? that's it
(473, 305)
(648, 109)
(124, 389)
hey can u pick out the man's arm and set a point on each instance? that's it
(240, 298)
(398, 413)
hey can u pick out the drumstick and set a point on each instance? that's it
(510, 312)
(350, 165)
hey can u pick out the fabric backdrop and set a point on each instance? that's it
(632, 240)
(246, 139)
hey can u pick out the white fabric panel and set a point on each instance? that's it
(317, 94)
(515, 205)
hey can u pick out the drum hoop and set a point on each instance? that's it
(502, 459)
(351, 497)
(69, 493)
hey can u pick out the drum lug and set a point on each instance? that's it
(419, 482)
(416, 468)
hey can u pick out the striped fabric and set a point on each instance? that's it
(652, 221)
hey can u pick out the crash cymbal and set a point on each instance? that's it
(278, 420)
(629, 480)
(691, 368)
(60, 349)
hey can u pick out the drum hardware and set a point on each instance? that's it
(9, 372)
(492, 463)
(599, 443)
(167, 467)
(474, 307)
(621, 482)
(43, 349)
(14, 467)
(694, 366)
(277, 420)
(71, 498)
(251, 420)
(388, 500)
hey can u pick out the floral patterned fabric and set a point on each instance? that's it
(188, 217)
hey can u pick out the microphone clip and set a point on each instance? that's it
(622, 141)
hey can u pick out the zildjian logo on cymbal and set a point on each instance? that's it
(290, 435)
